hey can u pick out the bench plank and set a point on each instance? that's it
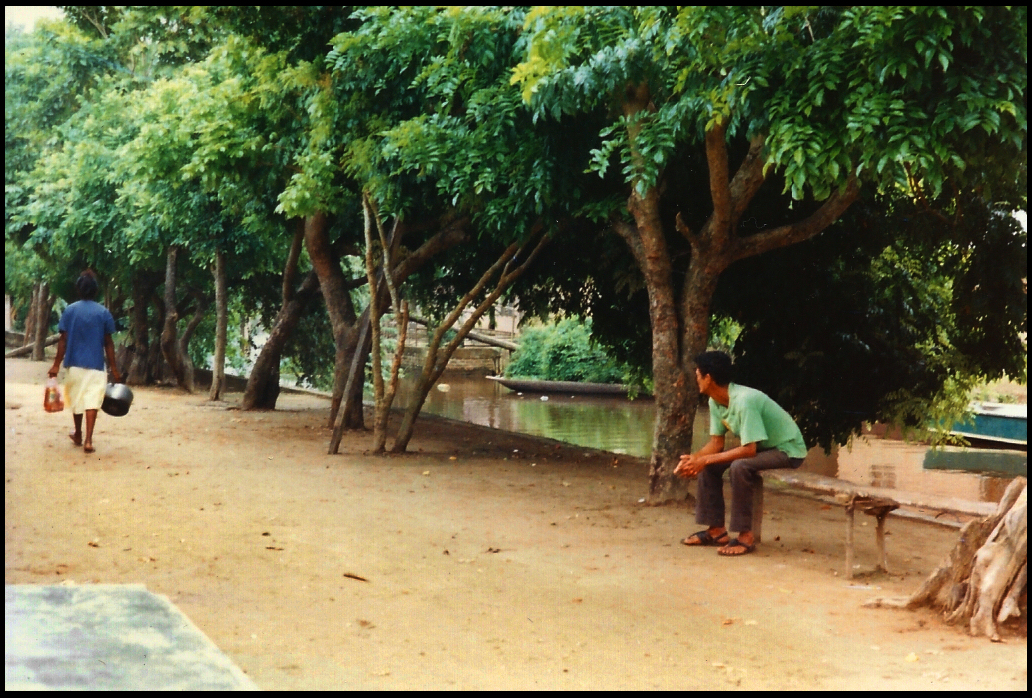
(874, 501)
(835, 487)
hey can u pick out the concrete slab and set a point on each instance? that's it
(108, 637)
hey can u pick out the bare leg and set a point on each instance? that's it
(76, 436)
(91, 421)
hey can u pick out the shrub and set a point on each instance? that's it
(564, 352)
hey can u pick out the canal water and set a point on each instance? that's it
(625, 426)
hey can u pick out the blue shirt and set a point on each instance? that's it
(86, 324)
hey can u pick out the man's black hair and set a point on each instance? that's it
(715, 364)
(87, 285)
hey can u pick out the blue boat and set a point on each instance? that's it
(998, 435)
(990, 421)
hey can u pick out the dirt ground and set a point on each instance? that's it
(483, 560)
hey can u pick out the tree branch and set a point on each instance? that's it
(290, 270)
(682, 227)
(505, 279)
(790, 234)
(720, 190)
(629, 233)
(450, 235)
(747, 180)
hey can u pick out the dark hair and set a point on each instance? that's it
(87, 285)
(715, 364)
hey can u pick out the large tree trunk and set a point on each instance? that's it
(218, 365)
(334, 287)
(672, 433)
(170, 347)
(984, 579)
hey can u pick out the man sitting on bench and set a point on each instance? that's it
(770, 440)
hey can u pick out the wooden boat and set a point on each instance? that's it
(998, 435)
(990, 421)
(530, 385)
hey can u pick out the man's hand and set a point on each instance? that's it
(53, 371)
(691, 465)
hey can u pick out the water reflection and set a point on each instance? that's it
(625, 426)
(607, 423)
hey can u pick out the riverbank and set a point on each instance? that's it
(482, 560)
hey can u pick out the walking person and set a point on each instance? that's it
(86, 328)
(770, 439)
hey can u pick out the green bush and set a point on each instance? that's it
(564, 352)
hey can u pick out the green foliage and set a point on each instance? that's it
(877, 320)
(897, 96)
(564, 352)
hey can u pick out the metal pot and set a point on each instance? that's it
(117, 399)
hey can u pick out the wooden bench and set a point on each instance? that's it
(873, 501)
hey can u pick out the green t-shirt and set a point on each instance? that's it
(755, 418)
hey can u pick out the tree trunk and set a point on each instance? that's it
(383, 395)
(341, 310)
(997, 566)
(44, 305)
(184, 339)
(984, 579)
(218, 365)
(170, 348)
(263, 386)
(672, 434)
(157, 367)
(380, 410)
(30, 316)
(138, 373)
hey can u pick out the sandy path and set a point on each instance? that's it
(485, 568)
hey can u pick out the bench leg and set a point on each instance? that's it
(757, 511)
(883, 564)
(849, 541)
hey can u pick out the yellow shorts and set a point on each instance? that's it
(84, 388)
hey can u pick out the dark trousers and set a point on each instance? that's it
(744, 476)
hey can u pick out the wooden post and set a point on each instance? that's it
(850, 511)
(757, 511)
(883, 564)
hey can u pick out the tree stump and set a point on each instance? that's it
(984, 579)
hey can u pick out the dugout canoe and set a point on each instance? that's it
(530, 385)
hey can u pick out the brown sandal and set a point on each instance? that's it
(703, 538)
(735, 543)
